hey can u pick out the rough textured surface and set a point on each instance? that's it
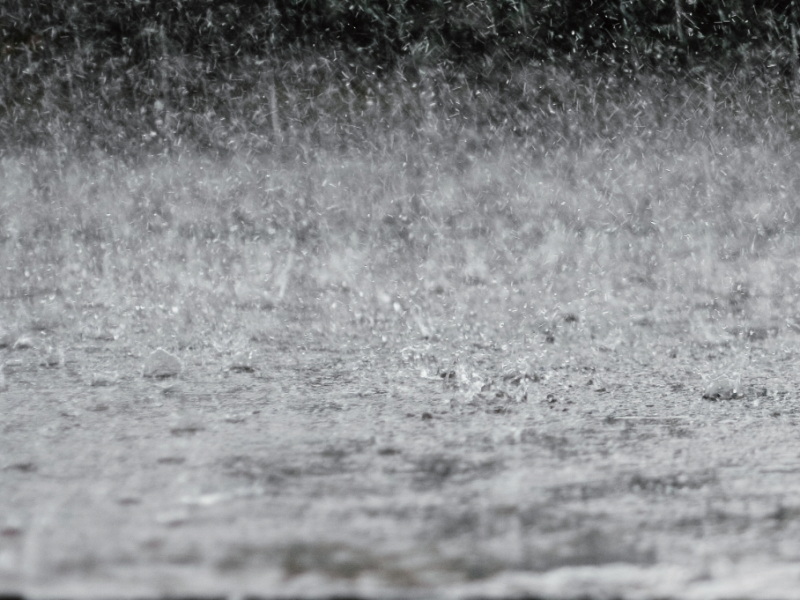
(492, 454)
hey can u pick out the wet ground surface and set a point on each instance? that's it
(401, 458)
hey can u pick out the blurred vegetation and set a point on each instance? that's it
(404, 126)
(223, 153)
(139, 78)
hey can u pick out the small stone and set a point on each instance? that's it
(3, 382)
(242, 363)
(162, 364)
(103, 335)
(23, 342)
(103, 379)
(53, 358)
(723, 388)
(7, 339)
